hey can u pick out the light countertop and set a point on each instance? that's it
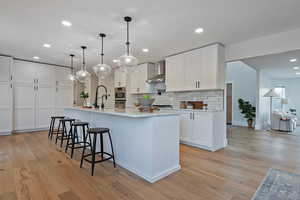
(127, 113)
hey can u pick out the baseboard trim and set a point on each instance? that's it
(30, 130)
(150, 179)
(5, 133)
(212, 149)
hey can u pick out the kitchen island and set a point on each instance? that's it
(146, 144)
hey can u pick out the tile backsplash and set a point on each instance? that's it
(213, 98)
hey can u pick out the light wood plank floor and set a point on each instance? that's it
(31, 167)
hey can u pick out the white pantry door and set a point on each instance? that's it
(24, 95)
(6, 95)
(63, 90)
(45, 95)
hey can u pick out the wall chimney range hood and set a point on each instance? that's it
(159, 75)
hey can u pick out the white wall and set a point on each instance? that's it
(243, 79)
(292, 88)
(264, 84)
(271, 44)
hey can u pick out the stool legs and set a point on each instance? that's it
(93, 153)
(112, 149)
(51, 128)
(62, 124)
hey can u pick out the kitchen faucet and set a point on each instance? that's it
(103, 96)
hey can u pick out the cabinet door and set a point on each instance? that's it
(6, 95)
(24, 94)
(203, 129)
(209, 63)
(62, 76)
(63, 99)
(186, 127)
(134, 80)
(24, 106)
(120, 78)
(193, 69)
(175, 73)
(44, 105)
(143, 87)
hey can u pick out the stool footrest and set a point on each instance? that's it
(97, 161)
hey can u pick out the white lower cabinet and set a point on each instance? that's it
(204, 130)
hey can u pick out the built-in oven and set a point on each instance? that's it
(120, 94)
(120, 98)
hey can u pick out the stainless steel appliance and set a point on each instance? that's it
(120, 98)
(159, 71)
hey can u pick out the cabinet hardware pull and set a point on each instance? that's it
(193, 116)
(11, 85)
(11, 78)
(190, 115)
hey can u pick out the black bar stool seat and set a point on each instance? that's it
(73, 141)
(98, 130)
(52, 125)
(92, 160)
(63, 134)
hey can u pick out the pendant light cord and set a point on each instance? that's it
(72, 68)
(83, 58)
(102, 54)
(127, 43)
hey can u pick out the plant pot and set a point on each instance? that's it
(250, 123)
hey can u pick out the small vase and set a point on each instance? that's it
(250, 123)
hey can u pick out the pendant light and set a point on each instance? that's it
(82, 74)
(102, 70)
(72, 76)
(128, 60)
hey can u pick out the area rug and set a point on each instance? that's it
(279, 185)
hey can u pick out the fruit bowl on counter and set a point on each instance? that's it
(145, 103)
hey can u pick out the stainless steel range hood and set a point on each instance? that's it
(159, 75)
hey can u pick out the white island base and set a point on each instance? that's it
(146, 144)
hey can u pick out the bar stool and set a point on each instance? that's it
(73, 141)
(52, 125)
(62, 134)
(95, 132)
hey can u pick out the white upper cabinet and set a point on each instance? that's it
(175, 73)
(120, 79)
(138, 78)
(200, 69)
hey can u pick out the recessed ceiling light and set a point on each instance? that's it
(293, 60)
(145, 50)
(295, 68)
(47, 45)
(199, 30)
(66, 23)
(36, 57)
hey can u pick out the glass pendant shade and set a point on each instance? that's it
(102, 70)
(128, 61)
(82, 74)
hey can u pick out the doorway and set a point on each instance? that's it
(229, 103)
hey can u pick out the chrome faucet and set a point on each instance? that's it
(103, 96)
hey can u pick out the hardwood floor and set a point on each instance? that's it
(31, 167)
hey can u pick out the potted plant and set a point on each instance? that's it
(84, 96)
(248, 111)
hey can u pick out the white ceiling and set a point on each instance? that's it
(277, 66)
(165, 27)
